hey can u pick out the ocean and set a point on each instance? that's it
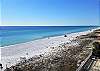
(10, 35)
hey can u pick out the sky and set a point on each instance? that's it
(49, 12)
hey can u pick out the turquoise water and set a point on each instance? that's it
(18, 34)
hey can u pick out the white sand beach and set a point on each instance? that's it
(10, 55)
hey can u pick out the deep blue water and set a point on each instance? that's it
(19, 34)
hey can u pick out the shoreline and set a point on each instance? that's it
(56, 35)
(11, 53)
(47, 37)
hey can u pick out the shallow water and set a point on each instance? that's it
(19, 34)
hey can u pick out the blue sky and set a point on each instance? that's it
(50, 12)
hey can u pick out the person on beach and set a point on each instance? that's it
(65, 35)
(1, 66)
